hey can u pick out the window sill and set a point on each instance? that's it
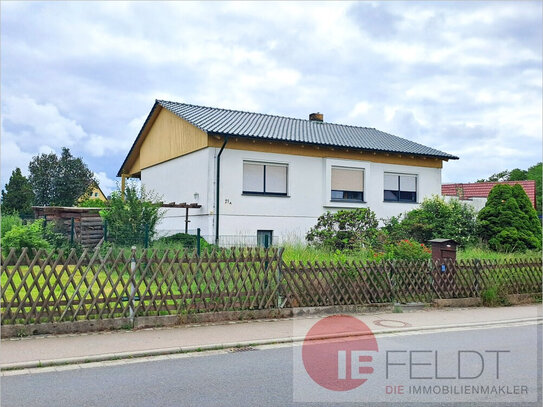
(265, 194)
(355, 201)
(344, 205)
(402, 202)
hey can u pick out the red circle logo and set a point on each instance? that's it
(337, 352)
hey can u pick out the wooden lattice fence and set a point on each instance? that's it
(39, 286)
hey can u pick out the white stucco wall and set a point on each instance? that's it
(476, 203)
(178, 180)
(289, 217)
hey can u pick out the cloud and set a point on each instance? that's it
(462, 77)
(107, 184)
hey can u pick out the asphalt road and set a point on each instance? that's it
(264, 377)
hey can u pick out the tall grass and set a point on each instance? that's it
(483, 253)
(301, 253)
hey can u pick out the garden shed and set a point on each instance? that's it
(82, 225)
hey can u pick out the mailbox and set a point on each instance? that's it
(443, 249)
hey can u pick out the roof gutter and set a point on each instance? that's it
(218, 190)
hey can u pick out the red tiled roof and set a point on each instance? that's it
(481, 189)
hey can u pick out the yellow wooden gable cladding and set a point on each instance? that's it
(167, 136)
(170, 137)
(97, 193)
(94, 193)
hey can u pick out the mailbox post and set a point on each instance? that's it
(443, 249)
(444, 258)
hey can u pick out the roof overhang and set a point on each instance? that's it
(333, 146)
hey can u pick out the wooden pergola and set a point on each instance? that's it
(185, 205)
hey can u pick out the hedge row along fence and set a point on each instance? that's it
(40, 286)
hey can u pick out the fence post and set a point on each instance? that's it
(392, 281)
(146, 237)
(72, 231)
(279, 276)
(266, 263)
(198, 241)
(132, 286)
(476, 275)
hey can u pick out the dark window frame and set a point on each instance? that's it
(399, 192)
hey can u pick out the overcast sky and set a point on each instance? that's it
(463, 77)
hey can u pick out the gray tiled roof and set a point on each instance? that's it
(258, 125)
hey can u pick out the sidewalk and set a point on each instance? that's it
(79, 348)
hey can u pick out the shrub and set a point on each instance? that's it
(345, 229)
(92, 203)
(504, 225)
(30, 236)
(9, 222)
(531, 221)
(130, 219)
(435, 219)
(181, 239)
(408, 250)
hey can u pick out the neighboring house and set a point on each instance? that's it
(476, 193)
(95, 193)
(277, 174)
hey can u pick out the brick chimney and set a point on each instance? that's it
(316, 117)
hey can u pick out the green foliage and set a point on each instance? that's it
(129, 220)
(533, 173)
(345, 229)
(43, 170)
(435, 218)
(504, 225)
(408, 250)
(30, 236)
(517, 175)
(495, 296)
(92, 203)
(59, 180)
(18, 196)
(9, 222)
(531, 222)
(497, 177)
(181, 239)
(482, 252)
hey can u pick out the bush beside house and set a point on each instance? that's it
(508, 222)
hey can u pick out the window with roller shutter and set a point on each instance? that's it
(347, 184)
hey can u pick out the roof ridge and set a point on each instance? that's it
(269, 115)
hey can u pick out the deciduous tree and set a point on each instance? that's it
(59, 180)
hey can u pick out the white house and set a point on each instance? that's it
(276, 174)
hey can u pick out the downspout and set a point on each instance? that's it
(218, 188)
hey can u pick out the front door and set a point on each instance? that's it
(264, 238)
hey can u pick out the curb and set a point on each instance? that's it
(260, 342)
